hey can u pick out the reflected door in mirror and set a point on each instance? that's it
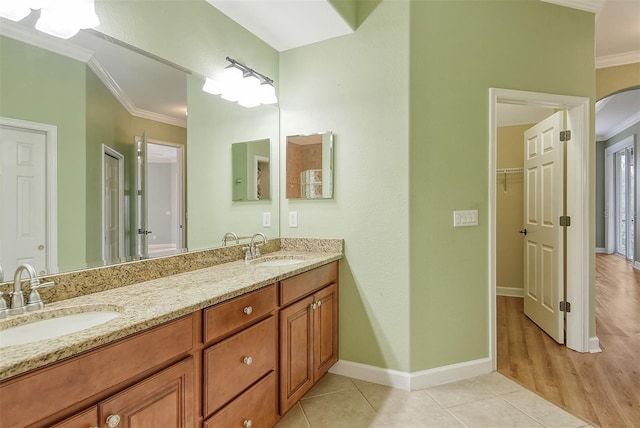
(310, 166)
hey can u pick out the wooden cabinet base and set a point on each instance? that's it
(256, 408)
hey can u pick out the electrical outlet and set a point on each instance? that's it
(293, 219)
(266, 219)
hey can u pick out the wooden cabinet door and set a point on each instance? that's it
(163, 400)
(296, 352)
(325, 330)
(85, 419)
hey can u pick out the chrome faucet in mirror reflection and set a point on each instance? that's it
(229, 236)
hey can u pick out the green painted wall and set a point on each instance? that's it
(358, 87)
(460, 49)
(213, 126)
(39, 86)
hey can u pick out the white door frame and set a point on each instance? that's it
(51, 174)
(609, 192)
(108, 151)
(256, 160)
(579, 244)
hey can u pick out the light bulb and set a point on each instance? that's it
(56, 24)
(231, 83)
(14, 10)
(268, 93)
(212, 86)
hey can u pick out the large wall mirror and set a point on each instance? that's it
(310, 166)
(96, 132)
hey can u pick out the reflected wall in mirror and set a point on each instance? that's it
(251, 169)
(310, 166)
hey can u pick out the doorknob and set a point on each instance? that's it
(524, 232)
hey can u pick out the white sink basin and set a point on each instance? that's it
(54, 327)
(279, 262)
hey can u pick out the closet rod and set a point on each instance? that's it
(509, 170)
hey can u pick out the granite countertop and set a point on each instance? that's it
(148, 304)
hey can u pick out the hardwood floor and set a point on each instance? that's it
(602, 388)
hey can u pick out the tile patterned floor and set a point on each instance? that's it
(485, 401)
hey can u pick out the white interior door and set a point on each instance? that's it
(23, 235)
(113, 206)
(544, 237)
(142, 232)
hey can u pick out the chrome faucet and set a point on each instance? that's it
(253, 250)
(34, 301)
(3, 303)
(228, 236)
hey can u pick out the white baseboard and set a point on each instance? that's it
(388, 377)
(601, 250)
(594, 345)
(416, 380)
(636, 265)
(510, 291)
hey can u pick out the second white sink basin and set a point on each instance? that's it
(54, 327)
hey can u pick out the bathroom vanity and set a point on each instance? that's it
(230, 345)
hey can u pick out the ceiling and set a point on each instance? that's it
(287, 24)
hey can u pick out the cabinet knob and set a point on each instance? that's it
(247, 310)
(248, 361)
(319, 303)
(247, 423)
(314, 305)
(113, 421)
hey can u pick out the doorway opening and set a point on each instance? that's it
(579, 258)
(113, 207)
(620, 198)
(159, 208)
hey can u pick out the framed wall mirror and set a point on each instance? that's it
(310, 166)
(251, 169)
(60, 90)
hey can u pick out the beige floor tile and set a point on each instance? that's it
(492, 412)
(340, 409)
(293, 419)
(456, 393)
(543, 411)
(358, 383)
(396, 405)
(498, 383)
(328, 384)
(433, 419)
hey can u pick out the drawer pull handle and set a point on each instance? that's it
(248, 310)
(113, 421)
(319, 303)
(247, 423)
(248, 360)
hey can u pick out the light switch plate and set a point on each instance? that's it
(465, 218)
(266, 219)
(293, 219)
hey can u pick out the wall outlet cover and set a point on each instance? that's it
(465, 218)
(293, 219)
(266, 219)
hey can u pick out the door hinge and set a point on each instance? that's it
(565, 135)
(565, 306)
(139, 192)
(565, 221)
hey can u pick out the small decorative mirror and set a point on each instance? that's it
(251, 171)
(310, 166)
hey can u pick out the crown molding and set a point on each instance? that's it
(40, 40)
(621, 127)
(618, 59)
(117, 92)
(23, 34)
(593, 6)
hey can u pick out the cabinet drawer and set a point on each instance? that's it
(306, 283)
(229, 316)
(78, 378)
(257, 405)
(232, 365)
(86, 419)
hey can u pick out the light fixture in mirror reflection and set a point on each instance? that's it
(251, 171)
(310, 166)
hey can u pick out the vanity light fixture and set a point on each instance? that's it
(243, 85)
(59, 18)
